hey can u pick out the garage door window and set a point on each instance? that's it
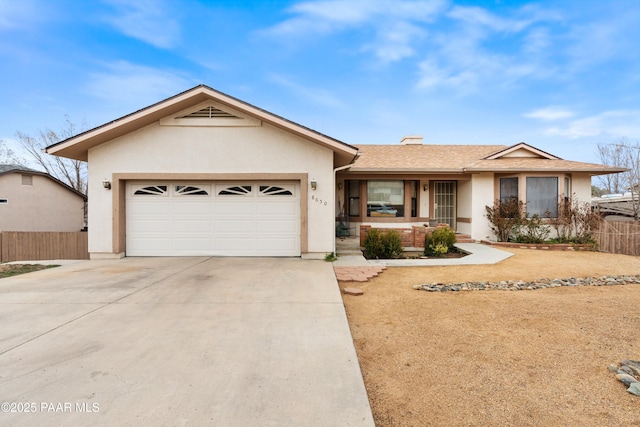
(188, 190)
(271, 190)
(152, 190)
(238, 190)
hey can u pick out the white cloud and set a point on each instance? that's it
(524, 17)
(314, 95)
(611, 124)
(134, 86)
(474, 53)
(18, 14)
(550, 114)
(395, 23)
(146, 20)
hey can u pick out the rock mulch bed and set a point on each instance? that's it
(628, 373)
(517, 285)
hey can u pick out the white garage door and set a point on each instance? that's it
(213, 218)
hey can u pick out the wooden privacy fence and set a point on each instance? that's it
(619, 237)
(25, 246)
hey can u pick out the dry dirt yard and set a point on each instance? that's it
(499, 358)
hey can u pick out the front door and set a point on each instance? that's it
(444, 202)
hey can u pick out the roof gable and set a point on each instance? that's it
(210, 114)
(521, 150)
(177, 108)
(6, 169)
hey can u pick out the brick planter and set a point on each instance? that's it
(411, 237)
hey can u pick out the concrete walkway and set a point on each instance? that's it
(478, 254)
(355, 267)
(179, 341)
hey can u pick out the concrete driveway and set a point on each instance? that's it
(179, 341)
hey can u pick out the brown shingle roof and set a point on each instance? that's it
(460, 158)
(421, 157)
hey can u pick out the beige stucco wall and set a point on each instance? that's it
(465, 207)
(482, 195)
(581, 186)
(43, 206)
(212, 150)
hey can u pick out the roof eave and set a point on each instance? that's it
(404, 170)
(594, 171)
(77, 147)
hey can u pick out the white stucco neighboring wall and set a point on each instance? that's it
(161, 149)
(482, 195)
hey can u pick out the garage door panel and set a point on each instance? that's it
(195, 226)
(275, 227)
(150, 227)
(236, 245)
(149, 209)
(183, 207)
(270, 207)
(148, 245)
(195, 245)
(235, 208)
(218, 219)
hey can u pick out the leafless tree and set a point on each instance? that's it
(626, 154)
(8, 156)
(69, 171)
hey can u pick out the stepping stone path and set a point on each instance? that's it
(628, 373)
(357, 274)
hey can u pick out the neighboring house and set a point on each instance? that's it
(31, 200)
(203, 173)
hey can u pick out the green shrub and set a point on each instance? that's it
(439, 242)
(391, 245)
(382, 244)
(373, 244)
(330, 257)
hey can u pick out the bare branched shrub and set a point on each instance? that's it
(576, 221)
(505, 216)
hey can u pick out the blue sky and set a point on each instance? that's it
(560, 75)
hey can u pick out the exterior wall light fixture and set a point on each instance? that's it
(106, 184)
(314, 184)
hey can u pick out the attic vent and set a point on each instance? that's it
(209, 113)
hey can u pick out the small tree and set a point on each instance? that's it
(8, 156)
(505, 216)
(71, 172)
